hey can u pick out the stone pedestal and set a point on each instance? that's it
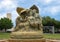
(27, 35)
(26, 40)
(32, 36)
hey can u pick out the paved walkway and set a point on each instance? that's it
(48, 40)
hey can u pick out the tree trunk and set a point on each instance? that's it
(5, 29)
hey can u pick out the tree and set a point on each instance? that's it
(48, 21)
(5, 23)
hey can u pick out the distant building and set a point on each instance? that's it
(49, 29)
(9, 15)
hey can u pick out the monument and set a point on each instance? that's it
(28, 26)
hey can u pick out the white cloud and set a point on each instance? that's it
(44, 1)
(55, 10)
(2, 16)
(47, 2)
(7, 4)
(52, 10)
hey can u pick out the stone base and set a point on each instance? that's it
(27, 35)
(29, 40)
(26, 40)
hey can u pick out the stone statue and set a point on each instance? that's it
(28, 24)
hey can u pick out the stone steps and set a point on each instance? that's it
(29, 40)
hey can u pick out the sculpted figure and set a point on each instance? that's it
(28, 24)
(37, 21)
(21, 21)
(28, 18)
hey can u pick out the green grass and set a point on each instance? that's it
(52, 36)
(47, 36)
(4, 35)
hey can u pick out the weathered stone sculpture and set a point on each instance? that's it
(28, 24)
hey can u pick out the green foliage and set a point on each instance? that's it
(48, 21)
(5, 23)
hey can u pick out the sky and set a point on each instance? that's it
(46, 7)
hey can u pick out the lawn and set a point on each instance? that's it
(49, 36)
(52, 36)
(4, 35)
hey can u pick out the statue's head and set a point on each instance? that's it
(26, 12)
